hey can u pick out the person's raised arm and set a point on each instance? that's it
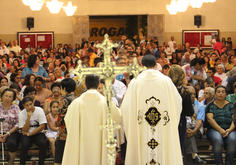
(26, 127)
(51, 126)
(202, 98)
(46, 107)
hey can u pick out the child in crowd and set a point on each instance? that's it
(52, 129)
(32, 122)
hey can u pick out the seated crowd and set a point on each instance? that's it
(36, 89)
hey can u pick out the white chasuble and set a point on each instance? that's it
(85, 143)
(151, 111)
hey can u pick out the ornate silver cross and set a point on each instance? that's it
(108, 70)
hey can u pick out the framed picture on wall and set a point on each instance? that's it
(35, 39)
(203, 37)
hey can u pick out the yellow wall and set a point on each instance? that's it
(219, 15)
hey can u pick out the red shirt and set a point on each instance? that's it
(217, 80)
(218, 46)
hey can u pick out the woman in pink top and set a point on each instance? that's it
(52, 129)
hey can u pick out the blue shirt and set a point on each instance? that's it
(157, 54)
(199, 109)
(70, 50)
(41, 72)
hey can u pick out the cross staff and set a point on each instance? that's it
(108, 70)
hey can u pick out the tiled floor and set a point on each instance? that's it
(49, 161)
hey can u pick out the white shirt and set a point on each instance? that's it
(200, 94)
(17, 49)
(4, 50)
(173, 50)
(36, 119)
(158, 67)
(171, 44)
(192, 56)
(8, 75)
(115, 101)
(213, 41)
(28, 49)
(223, 77)
(119, 90)
(196, 50)
(60, 79)
(143, 41)
(10, 49)
(167, 50)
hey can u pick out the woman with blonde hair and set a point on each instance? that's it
(178, 77)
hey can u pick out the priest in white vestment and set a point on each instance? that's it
(85, 143)
(151, 111)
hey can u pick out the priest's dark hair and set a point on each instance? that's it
(149, 61)
(92, 81)
(69, 85)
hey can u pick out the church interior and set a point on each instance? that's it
(95, 18)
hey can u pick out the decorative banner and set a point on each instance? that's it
(115, 28)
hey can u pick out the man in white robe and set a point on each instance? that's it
(151, 111)
(85, 143)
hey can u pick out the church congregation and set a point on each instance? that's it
(185, 93)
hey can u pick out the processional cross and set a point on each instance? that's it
(108, 70)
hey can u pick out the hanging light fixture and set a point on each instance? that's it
(172, 8)
(26, 2)
(69, 9)
(196, 3)
(36, 5)
(54, 6)
(182, 5)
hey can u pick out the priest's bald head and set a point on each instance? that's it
(92, 81)
(149, 61)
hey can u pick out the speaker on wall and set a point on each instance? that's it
(30, 22)
(198, 20)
